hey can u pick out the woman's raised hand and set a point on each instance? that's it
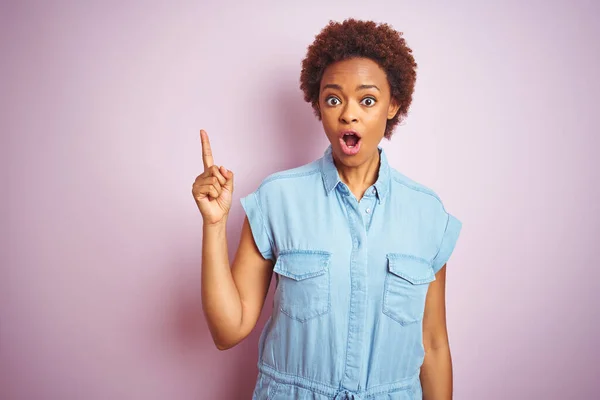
(212, 189)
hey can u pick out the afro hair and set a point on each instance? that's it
(364, 39)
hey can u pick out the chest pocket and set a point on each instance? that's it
(405, 287)
(303, 290)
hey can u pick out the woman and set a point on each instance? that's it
(359, 250)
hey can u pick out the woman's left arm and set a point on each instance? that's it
(436, 371)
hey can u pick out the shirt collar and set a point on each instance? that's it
(331, 177)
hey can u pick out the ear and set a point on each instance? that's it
(393, 108)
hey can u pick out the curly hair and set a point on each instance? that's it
(365, 39)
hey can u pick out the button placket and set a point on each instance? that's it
(353, 365)
(367, 207)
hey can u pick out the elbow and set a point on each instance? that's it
(223, 345)
(226, 339)
(433, 341)
(436, 345)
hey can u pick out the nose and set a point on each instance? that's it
(349, 113)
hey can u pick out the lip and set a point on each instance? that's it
(349, 132)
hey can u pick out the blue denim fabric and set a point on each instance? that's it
(352, 278)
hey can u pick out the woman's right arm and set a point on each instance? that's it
(232, 298)
(232, 295)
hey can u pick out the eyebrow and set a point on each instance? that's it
(359, 87)
(363, 87)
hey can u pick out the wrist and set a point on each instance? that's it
(216, 226)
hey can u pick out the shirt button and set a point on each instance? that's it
(368, 210)
(374, 191)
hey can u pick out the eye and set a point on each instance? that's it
(332, 101)
(368, 101)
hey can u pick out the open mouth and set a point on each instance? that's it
(350, 142)
(351, 139)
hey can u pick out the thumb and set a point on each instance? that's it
(228, 175)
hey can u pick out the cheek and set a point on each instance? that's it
(377, 116)
(328, 117)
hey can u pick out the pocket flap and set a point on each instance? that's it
(414, 269)
(302, 264)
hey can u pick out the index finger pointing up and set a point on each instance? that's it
(207, 157)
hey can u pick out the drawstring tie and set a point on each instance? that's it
(346, 395)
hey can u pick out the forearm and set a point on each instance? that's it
(436, 374)
(220, 296)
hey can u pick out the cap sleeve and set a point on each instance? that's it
(451, 233)
(258, 224)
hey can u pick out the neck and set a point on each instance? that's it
(359, 178)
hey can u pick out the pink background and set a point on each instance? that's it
(101, 106)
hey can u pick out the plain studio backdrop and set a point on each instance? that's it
(101, 107)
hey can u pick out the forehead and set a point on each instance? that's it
(354, 71)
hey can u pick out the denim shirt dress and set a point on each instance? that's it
(352, 277)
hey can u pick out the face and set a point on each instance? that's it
(355, 104)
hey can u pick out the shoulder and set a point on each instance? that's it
(425, 203)
(291, 177)
(288, 184)
(415, 191)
